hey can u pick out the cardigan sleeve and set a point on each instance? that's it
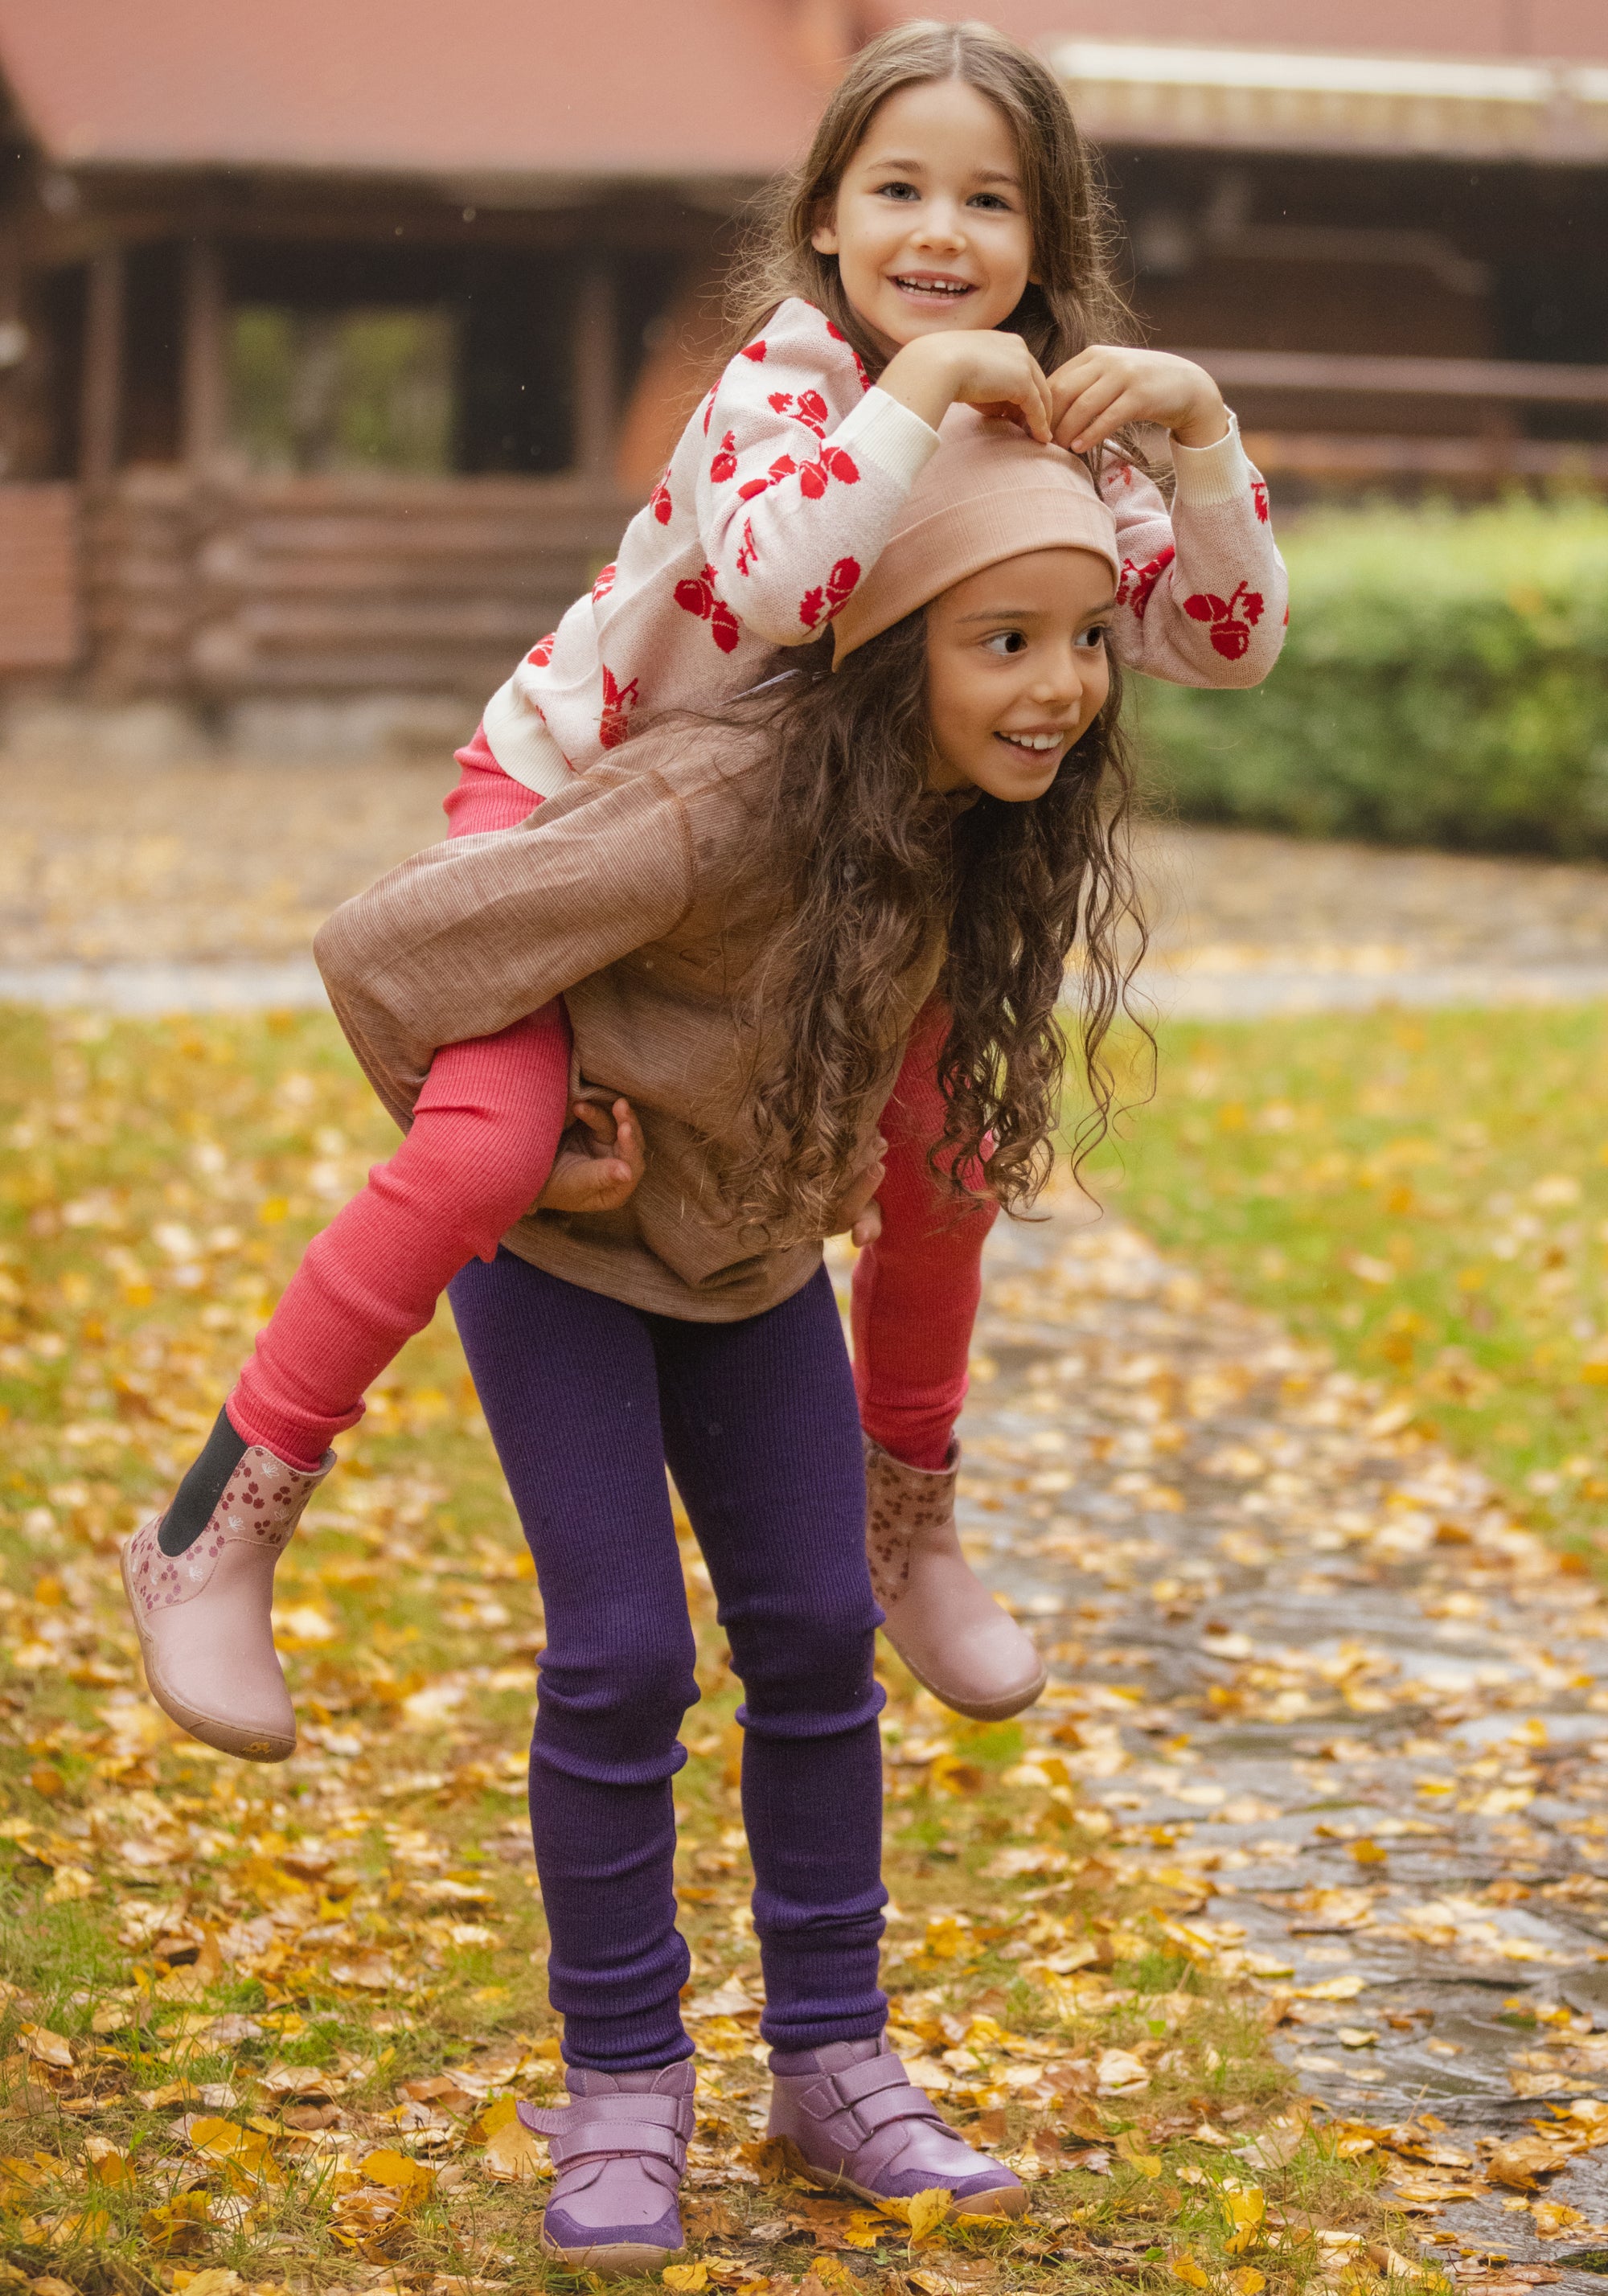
(1203, 599)
(804, 472)
(469, 937)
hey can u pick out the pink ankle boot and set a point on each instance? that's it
(850, 2119)
(956, 1639)
(205, 1618)
(620, 2151)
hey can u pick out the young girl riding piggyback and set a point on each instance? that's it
(942, 244)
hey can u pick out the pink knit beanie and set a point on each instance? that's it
(989, 493)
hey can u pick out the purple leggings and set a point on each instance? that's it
(587, 1401)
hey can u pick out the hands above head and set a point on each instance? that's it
(975, 367)
(1111, 384)
(598, 1169)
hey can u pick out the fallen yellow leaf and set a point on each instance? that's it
(922, 2211)
(1245, 2211)
(47, 2048)
(513, 2153)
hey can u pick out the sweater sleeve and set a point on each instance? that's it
(805, 474)
(484, 796)
(1203, 599)
(467, 937)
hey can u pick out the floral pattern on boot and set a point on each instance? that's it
(205, 1615)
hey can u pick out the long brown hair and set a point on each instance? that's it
(866, 865)
(1077, 302)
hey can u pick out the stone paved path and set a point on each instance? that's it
(199, 886)
(1312, 1669)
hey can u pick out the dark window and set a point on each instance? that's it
(516, 386)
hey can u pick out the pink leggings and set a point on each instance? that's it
(481, 1144)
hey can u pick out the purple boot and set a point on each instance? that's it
(618, 2152)
(850, 2119)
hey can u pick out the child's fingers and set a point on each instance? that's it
(605, 1186)
(1129, 408)
(1069, 383)
(1034, 400)
(867, 1228)
(1085, 410)
(627, 1139)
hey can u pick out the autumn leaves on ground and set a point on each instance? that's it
(266, 2027)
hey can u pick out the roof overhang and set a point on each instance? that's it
(1294, 100)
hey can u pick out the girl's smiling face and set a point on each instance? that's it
(930, 224)
(1017, 671)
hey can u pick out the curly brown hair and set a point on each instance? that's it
(1077, 302)
(866, 865)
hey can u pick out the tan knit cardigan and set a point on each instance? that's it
(628, 892)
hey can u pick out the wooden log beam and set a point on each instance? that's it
(206, 377)
(597, 372)
(1504, 380)
(101, 413)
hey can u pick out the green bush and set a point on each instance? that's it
(1444, 681)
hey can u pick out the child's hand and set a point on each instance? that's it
(858, 1214)
(867, 1228)
(600, 1173)
(981, 367)
(1110, 384)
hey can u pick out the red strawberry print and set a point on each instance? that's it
(831, 462)
(755, 351)
(541, 652)
(840, 583)
(1139, 581)
(782, 468)
(748, 549)
(697, 596)
(619, 700)
(604, 582)
(838, 336)
(709, 408)
(725, 465)
(658, 501)
(1258, 495)
(808, 407)
(1230, 631)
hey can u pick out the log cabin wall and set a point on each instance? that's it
(208, 552)
(189, 510)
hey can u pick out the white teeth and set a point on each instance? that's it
(1033, 741)
(936, 286)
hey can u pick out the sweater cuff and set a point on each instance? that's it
(521, 744)
(1208, 476)
(885, 433)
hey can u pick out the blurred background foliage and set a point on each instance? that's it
(1445, 683)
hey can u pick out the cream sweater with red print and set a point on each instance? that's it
(778, 499)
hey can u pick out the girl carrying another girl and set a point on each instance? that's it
(941, 244)
(746, 917)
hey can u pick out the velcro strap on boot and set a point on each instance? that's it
(866, 2080)
(871, 2095)
(620, 2122)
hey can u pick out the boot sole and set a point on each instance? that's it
(613, 2262)
(982, 1709)
(228, 1737)
(1006, 2200)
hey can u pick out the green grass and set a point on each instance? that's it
(365, 1909)
(1425, 1193)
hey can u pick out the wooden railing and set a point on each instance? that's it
(1503, 383)
(215, 588)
